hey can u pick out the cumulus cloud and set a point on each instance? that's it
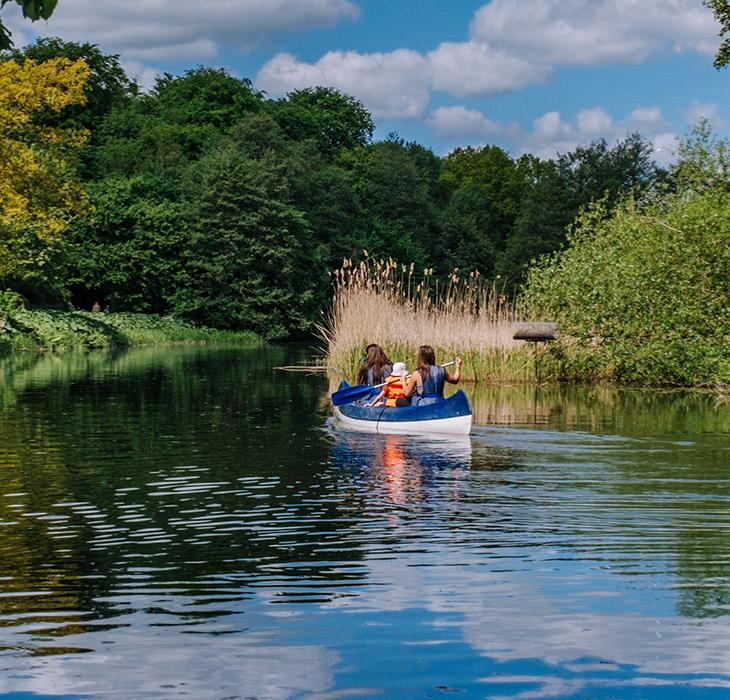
(551, 135)
(704, 111)
(392, 84)
(460, 121)
(143, 75)
(399, 83)
(594, 32)
(470, 68)
(188, 29)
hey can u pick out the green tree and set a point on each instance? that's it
(721, 8)
(400, 217)
(481, 187)
(163, 132)
(248, 259)
(554, 192)
(332, 120)
(128, 253)
(32, 10)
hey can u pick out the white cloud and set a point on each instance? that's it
(188, 29)
(551, 135)
(470, 68)
(399, 83)
(594, 32)
(704, 110)
(144, 76)
(460, 121)
(392, 84)
(594, 121)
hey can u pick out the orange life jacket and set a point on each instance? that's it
(394, 389)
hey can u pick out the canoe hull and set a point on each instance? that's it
(458, 425)
(450, 416)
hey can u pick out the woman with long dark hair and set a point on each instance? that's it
(429, 379)
(376, 366)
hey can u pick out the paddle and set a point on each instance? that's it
(359, 391)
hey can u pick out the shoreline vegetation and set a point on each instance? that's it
(402, 308)
(53, 331)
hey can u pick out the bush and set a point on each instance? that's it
(642, 296)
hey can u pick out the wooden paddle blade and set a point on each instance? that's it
(350, 394)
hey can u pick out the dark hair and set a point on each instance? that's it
(426, 358)
(375, 359)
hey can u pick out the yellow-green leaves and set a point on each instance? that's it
(39, 193)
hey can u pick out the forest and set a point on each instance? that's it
(207, 200)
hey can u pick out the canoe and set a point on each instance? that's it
(445, 416)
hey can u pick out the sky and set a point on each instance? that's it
(531, 76)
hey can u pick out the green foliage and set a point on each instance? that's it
(63, 330)
(127, 254)
(32, 10)
(332, 120)
(552, 193)
(642, 296)
(249, 260)
(721, 8)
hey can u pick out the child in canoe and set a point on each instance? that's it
(394, 392)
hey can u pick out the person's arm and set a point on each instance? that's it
(454, 378)
(376, 399)
(414, 382)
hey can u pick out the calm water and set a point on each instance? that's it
(186, 523)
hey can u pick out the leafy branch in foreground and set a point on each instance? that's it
(32, 10)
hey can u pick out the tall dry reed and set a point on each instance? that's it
(384, 302)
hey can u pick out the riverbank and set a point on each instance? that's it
(49, 330)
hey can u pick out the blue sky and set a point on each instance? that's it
(539, 76)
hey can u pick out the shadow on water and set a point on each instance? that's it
(192, 521)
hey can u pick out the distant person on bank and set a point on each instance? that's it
(96, 308)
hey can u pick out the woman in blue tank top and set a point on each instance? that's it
(429, 379)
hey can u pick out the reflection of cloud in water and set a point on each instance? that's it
(508, 616)
(154, 664)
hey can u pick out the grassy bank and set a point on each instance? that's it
(22, 329)
(393, 305)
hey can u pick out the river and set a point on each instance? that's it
(187, 522)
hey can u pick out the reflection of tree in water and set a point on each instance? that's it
(601, 408)
(665, 475)
(202, 473)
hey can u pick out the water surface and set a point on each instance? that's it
(186, 522)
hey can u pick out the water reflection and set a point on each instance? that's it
(188, 521)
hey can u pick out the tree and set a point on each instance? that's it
(481, 187)
(554, 192)
(163, 132)
(249, 261)
(129, 251)
(39, 194)
(333, 120)
(32, 10)
(721, 8)
(106, 86)
(400, 217)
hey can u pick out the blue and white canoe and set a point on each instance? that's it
(450, 416)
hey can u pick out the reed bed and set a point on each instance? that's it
(384, 302)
